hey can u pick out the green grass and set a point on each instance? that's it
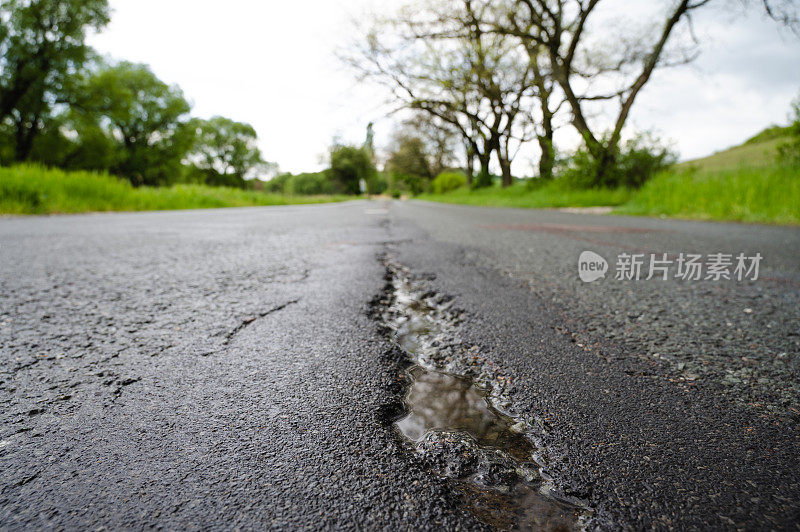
(767, 195)
(744, 183)
(519, 195)
(36, 190)
(770, 194)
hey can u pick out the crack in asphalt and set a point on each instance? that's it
(453, 416)
(26, 480)
(251, 319)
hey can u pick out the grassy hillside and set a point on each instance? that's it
(744, 183)
(36, 190)
(758, 152)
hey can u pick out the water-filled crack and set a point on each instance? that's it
(455, 419)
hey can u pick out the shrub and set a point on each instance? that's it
(307, 184)
(637, 161)
(278, 184)
(789, 152)
(448, 181)
(413, 184)
(379, 184)
(310, 184)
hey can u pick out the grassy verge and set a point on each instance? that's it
(769, 194)
(743, 183)
(35, 190)
(766, 195)
(519, 195)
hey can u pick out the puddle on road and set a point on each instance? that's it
(443, 402)
(452, 424)
(462, 437)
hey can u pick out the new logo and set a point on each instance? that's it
(591, 267)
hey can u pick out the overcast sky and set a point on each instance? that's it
(273, 64)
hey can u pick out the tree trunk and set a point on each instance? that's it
(470, 169)
(505, 165)
(485, 159)
(25, 134)
(605, 164)
(547, 160)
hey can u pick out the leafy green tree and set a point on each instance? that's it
(41, 43)
(146, 118)
(91, 149)
(349, 165)
(409, 163)
(226, 151)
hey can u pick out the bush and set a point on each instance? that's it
(578, 171)
(278, 184)
(379, 184)
(637, 161)
(310, 184)
(789, 152)
(413, 184)
(447, 182)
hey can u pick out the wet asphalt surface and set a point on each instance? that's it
(222, 369)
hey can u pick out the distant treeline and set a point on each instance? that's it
(419, 159)
(63, 106)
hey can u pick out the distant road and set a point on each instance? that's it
(221, 368)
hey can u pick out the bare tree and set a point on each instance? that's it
(784, 12)
(562, 32)
(441, 62)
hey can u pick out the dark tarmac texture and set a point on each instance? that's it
(221, 369)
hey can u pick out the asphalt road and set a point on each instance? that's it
(223, 369)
